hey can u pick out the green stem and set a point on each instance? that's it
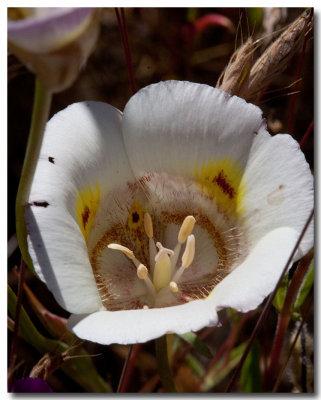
(163, 365)
(40, 114)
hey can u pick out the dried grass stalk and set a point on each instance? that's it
(246, 80)
(276, 57)
(238, 68)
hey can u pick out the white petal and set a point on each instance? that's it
(278, 188)
(176, 127)
(82, 150)
(248, 285)
(138, 326)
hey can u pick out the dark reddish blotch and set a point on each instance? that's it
(221, 181)
(85, 216)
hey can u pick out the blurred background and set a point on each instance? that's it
(167, 43)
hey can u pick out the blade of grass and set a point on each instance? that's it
(163, 365)
(197, 344)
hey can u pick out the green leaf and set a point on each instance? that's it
(163, 366)
(81, 370)
(197, 344)
(250, 373)
(222, 368)
(305, 287)
(195, 365)
(279, 298)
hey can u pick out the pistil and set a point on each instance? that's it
(163, 267)
(148, 226)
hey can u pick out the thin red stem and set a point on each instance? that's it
(13, 352)
(306, 135)
(128, 367)
(285, 317)
(121, 19)
(267, 307)
(276, 385)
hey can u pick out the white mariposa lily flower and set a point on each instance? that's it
(147, 222)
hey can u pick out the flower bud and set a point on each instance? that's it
(54, 43)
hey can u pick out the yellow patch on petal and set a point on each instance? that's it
(222, 181)
(87, 203)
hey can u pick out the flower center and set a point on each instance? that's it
(164, 271)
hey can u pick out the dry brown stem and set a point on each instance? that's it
(246, 80)
(238, 67)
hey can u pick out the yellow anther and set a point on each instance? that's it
(145, 307)
(148, 225)
(142, 272)
(188, 255)
(173, 286)
(123, 249)
(186, 228)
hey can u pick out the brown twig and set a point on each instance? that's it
(13, 352)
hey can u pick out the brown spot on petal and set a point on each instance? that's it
(276, 197)
(40, 203)
(135, 217)
(51, 159)
(221, 181)
(85, 216)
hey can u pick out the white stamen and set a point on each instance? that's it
(187, 258)
(173, 286)
(186, 228)
(148, 225)
(123, 249)
(178, 274)
(142, 272)
(189, 253)
(126, 251)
